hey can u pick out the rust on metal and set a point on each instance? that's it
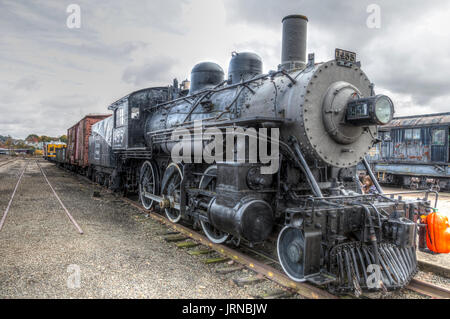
(434, 268)
(78, 139)
(428, 289)
(414, 120)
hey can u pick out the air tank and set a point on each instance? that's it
(244, 66)
(205, 75)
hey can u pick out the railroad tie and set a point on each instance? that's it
(175, 238)
(171, 233)
(200, 252)
(216, 260)
(187, 244)
(251, 280)
(227, 270)
(276, 294)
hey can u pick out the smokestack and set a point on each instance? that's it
(293, 47)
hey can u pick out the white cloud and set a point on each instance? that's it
(52, 75)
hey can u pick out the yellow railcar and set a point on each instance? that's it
(50, 149)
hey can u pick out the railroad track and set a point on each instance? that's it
(7, 162)
(5, 213)
(2, 221)
(181, 235)
(428, 289)
(304, 289)
(72, 220)
(261, 268)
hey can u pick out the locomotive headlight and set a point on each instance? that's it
(384, 109)
(374, 110)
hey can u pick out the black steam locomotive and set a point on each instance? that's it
(268, 157)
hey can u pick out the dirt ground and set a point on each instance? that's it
(120, 255)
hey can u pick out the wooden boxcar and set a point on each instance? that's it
(77, 154)
(414, 152)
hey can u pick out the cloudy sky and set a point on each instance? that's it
(52, 75)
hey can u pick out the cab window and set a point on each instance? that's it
(134, 112)
(120, 114)
(438, 137)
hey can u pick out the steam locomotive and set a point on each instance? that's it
(269, 157)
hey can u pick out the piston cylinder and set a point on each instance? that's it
(251, 218)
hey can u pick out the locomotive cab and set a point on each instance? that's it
(130, 117)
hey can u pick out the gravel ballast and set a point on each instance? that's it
(121, 254)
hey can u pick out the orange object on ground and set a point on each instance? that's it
(438, 232)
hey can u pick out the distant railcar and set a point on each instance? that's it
(102, 160)
(78, 141)
(60, 157)
(39, 152)
(51, 148)
(414, 152)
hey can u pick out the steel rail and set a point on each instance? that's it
(59, 200)
(7, 162)
(428, 289)
(304, 289)
(12, 197)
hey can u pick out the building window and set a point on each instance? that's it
(416, 134)
(408, 134)
(438, 137)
